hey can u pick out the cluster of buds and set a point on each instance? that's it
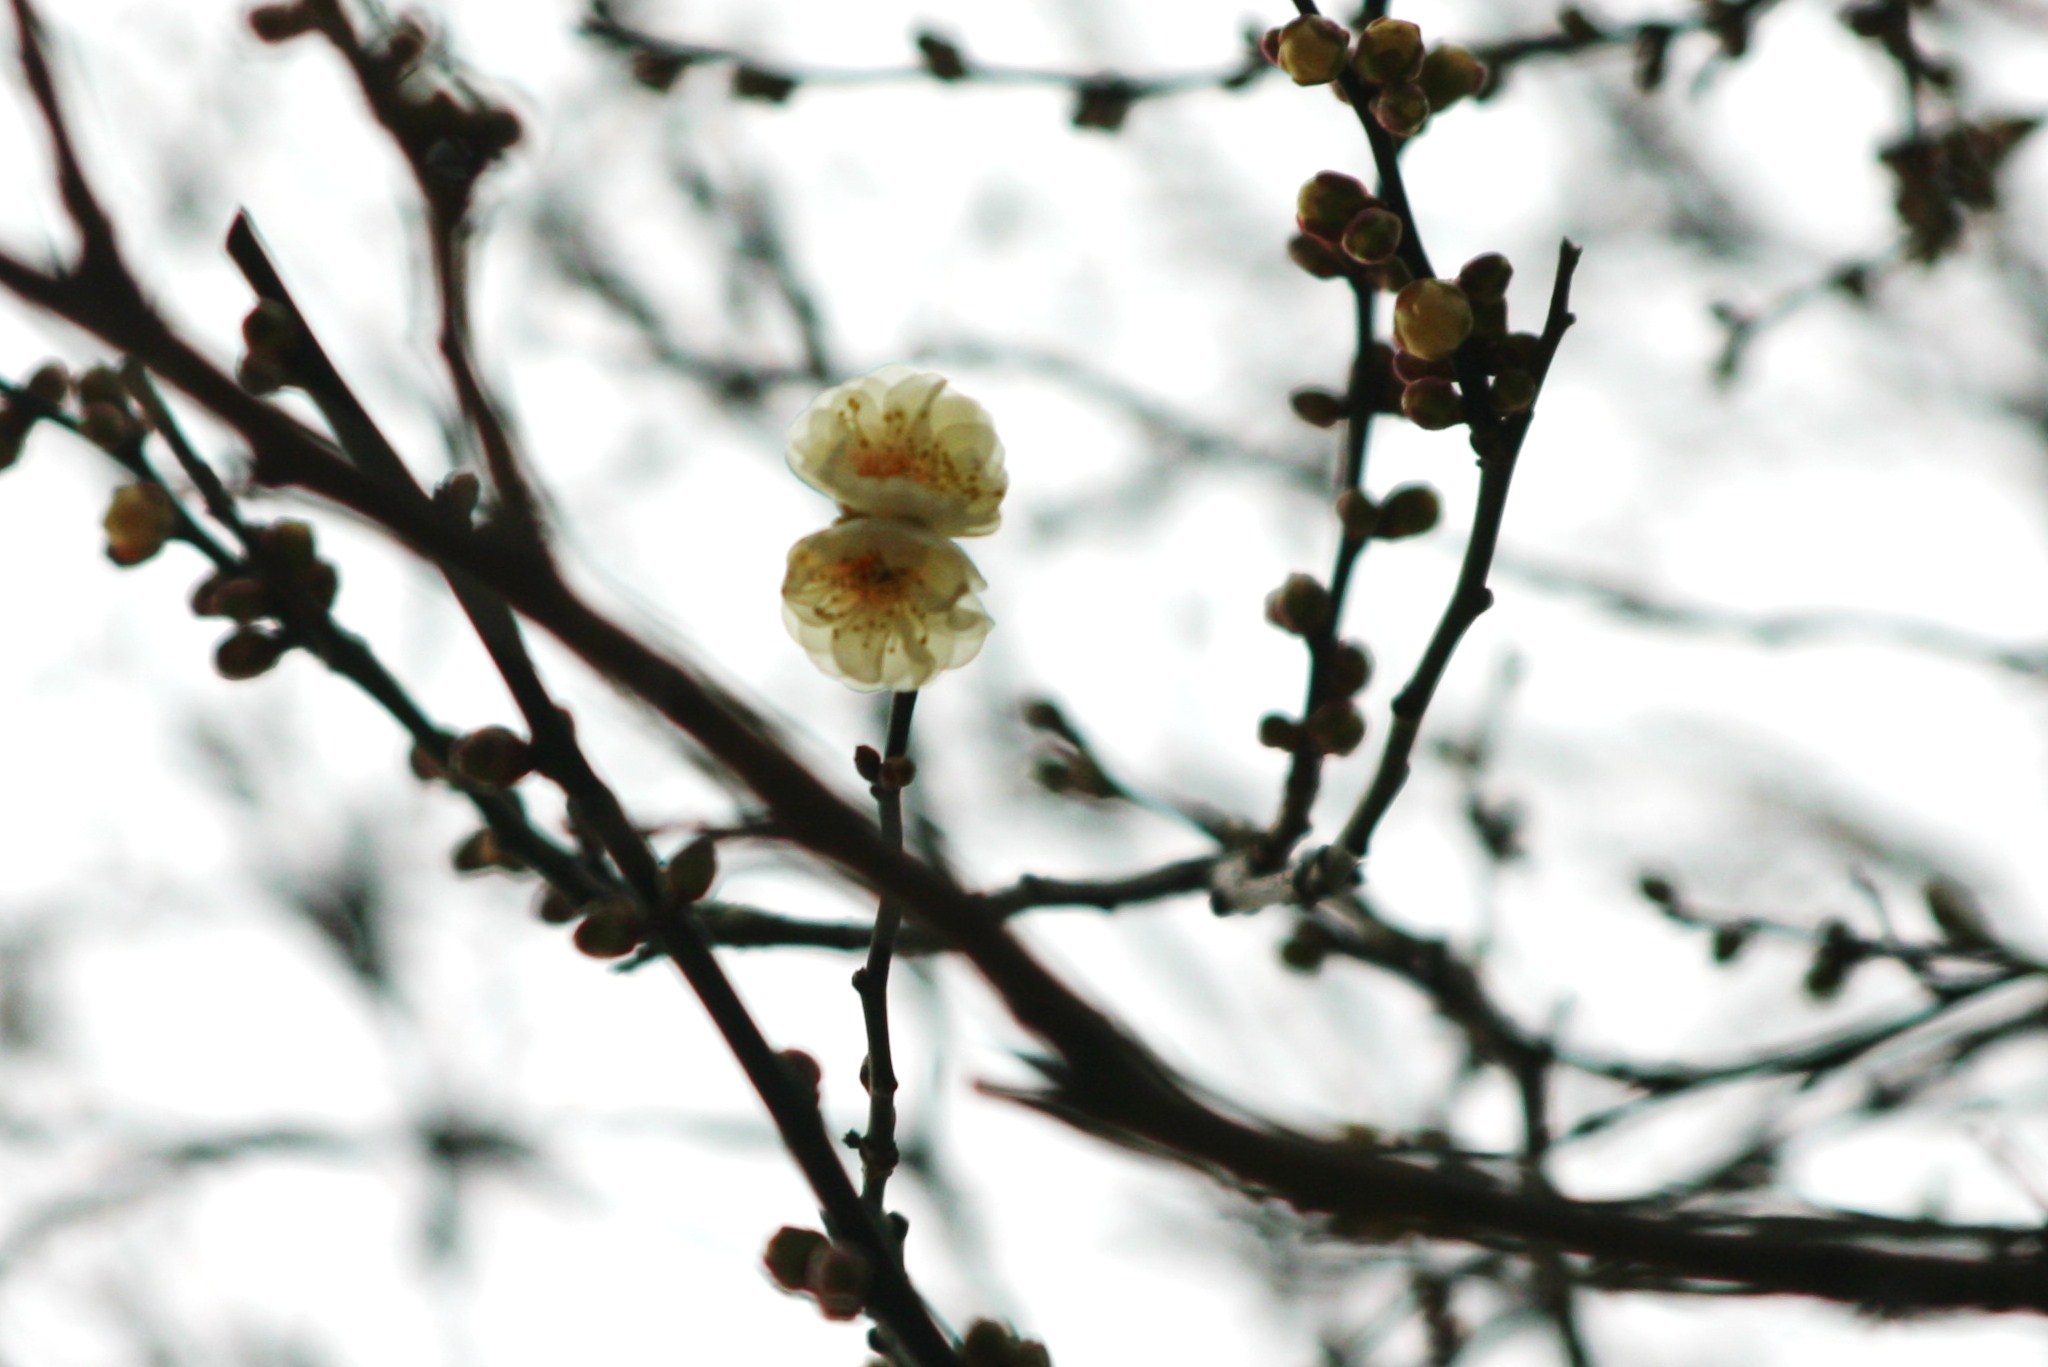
(271, 337)
(1386, 61)
(804, 1262)
(614, 926)
(990, 1343)
(43, 396)
(446, 128)
(283, 580)
(1342, 229)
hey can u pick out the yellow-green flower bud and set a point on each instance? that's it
(1311, 49)
(1328, 201)
(1372, 237)
(1432, 319)
(1389, 52)
(1513, 391)
(1410, 510)
(1432, 404)
(140, 519)
(1449, 74)
(1401, 109)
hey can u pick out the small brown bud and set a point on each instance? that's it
(611, 928)
(1432, 318)
(1408, 368)
(691, 871)
(803, 1070)
(495, 129)
(269, 327)
(140, 519)
(103, 384)
(1104, 104)
(236, 597)
(1410, 510)
(838, 1279)
(260, 373)
(456, 495)
(1317, 407)
(277, 23)
(1278, 733)
(424, 766)
(1357, 514)
(1350, 669)
(1300, 606)
(480, 850)
(1486, 277)
(789, 1253)
(1432, 404)
(1389, 52)
(108, 426)
(1402, 110)
(1513, 391)
(288, 542)
(493, 756)
(1328, 201)
(867, 762)
(1316, 257)
(942, 59)
(405, 43)
(1372, 237)
(898, 773)
(1449, 74)
(51, 384)
(554, 907)
(658, 71)
(320, 582)
(1336, 727)
(1490, 319)
(770, 87)
(247, 653)
(1311, 49)
(1306, 946)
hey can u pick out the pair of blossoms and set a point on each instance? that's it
(883, 598)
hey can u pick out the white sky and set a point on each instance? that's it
(1853, 468)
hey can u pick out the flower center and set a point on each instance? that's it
(885, 462)
(873, 580)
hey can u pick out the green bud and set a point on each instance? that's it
(1432, 404)
(1328, 201)
(611, 928)
(1300, 606)
(1311, 49)
(494, 756)
(1513, 391)
(1373, 236)
(1317, 407)
(247, 653)
(1278, 733)
(140, 519)
(1336, 727)
(1318, 258)
(1357, 514)
(691, 871)
(1306, 946)
(1401, 109)
(1409, 511)
(1432, 319)
(1350, 669)
(1449, 74)
(1389, 52)
(1486, 277)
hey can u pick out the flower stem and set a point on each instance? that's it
(878, 1152)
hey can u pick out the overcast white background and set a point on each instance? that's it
(152, 813)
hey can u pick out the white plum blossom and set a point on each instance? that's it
(882, 604)
(903, 444)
